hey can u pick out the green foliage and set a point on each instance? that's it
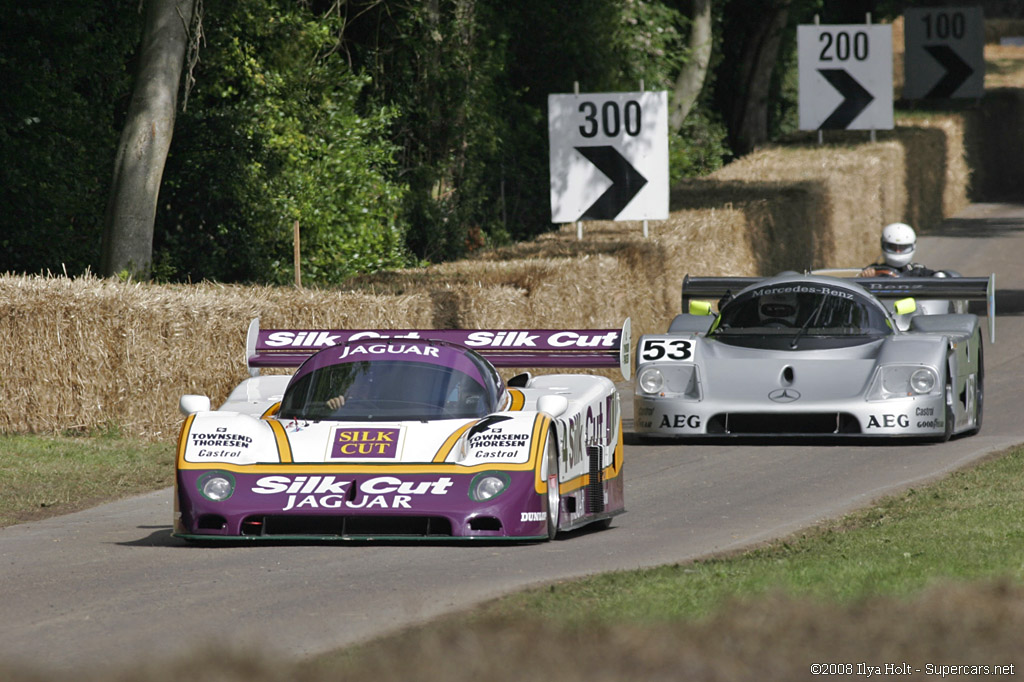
(650, 48)
(272, 136)
(443, 73)
(65, 74)
(471, 83)
(45, 476)
(385, 129)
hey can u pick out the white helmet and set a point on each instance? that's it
(898, 242)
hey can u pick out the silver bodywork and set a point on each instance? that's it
(703, 379)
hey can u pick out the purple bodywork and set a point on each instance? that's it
(503, 348)
(362, 505)
(359, 488)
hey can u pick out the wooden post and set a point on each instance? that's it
(298, 264)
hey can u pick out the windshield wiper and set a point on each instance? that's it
(813, 317)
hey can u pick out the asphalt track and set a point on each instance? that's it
(109, 585)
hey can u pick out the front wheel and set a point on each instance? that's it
(949, 397)
(554, 497)
(979, 389)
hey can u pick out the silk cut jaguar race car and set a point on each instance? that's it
(406, 434)
(797, 355)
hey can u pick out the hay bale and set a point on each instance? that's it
(83, 353)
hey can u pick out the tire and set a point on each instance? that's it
(948, 398)
(554, 497)
(979, 389)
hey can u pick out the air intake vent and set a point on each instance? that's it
(347, 526)
(754, 423)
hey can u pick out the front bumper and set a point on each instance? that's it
(308, 506)
(913, 417)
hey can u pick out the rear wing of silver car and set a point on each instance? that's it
(931, 288)
(564, 348)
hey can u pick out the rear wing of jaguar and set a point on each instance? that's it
(566, 348)
(932, 288)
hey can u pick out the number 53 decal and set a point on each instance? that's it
(666, 349)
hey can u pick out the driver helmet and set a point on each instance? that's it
(898, 242)
(777, 308)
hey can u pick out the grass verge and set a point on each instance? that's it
(43, 476)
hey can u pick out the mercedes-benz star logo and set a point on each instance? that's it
(784, 395)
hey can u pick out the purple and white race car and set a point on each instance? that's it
(406, 434)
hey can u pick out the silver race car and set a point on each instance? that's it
(814, 355)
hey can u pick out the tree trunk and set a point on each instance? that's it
(749, 126)
(691, 78)
(146, 139)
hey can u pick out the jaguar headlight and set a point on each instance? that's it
(488, 485)
(216, 486)
(650, 380)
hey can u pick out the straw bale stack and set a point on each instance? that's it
(77, 354)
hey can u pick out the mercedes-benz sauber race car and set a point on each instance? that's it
(406, 434)
(812, 355)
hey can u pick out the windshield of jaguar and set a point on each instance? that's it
(807, 309)
(392, 390)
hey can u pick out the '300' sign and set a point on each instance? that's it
(666, 349)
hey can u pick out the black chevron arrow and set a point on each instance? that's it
(855, 99)
(957, 70)
(626, 182)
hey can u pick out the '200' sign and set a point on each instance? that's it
(841, 46)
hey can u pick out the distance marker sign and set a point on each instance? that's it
(945, 52)
(609, 156)
(845, 76)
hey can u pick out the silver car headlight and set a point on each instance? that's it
(902, 381)
(488, 485)
(677, 380)
(922, 381)
(650, 380)
(216, 486)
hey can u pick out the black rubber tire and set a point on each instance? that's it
(949, 395)
(554, 497)
(979, 389)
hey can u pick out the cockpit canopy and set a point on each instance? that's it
(801, 310)
(392, 380)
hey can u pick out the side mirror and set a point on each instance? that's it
(553, 405)
(190, 404)
(700, 308)
(904, 306)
